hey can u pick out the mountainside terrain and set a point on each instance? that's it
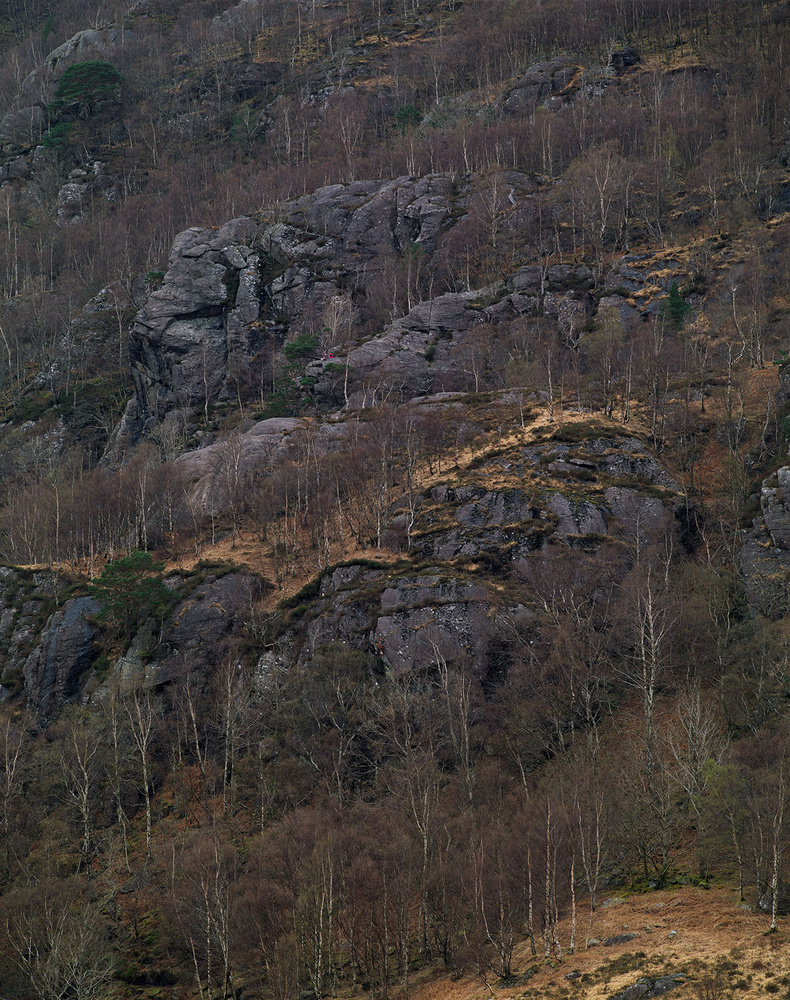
(394, 498)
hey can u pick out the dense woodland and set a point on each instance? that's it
(288, 823)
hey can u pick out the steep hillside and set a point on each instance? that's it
(394, 499)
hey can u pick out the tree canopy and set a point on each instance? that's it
(130, 590)
(87, 83)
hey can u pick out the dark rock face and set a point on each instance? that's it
(26, 603)
(411, 622)
(576, 517)
(342, 612)
(419, 352)
(507, 523)
(636, 283)
(398, 356)
(430, 617)
(531, 498)
(623, 59)
(198, 324)
(765, 549)
(519, 503)
(365, 217)
(577, 493)
(53, 670)
(48, 655)
(765, 553)
(617, 456)
(227, 292)
(196, 634)
(534, 280)
(539, 82)
(22, 128)
(775, 504)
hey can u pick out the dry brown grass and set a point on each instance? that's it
(504, 433)
(248, 551)
(687, 930)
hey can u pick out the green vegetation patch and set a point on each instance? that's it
(58, 136)
(130, 591)
(87, 83)
(579, 431)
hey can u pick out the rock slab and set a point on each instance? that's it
(53, 670)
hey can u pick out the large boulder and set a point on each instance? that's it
(216, 470)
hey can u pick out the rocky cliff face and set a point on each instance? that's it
(451, 596)
(229, 292)
(765, 553)
(472, 542)
(313, 264)
(225, 292)
(191, 332)
(54, 670)
(46, 645)
(197, 634)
